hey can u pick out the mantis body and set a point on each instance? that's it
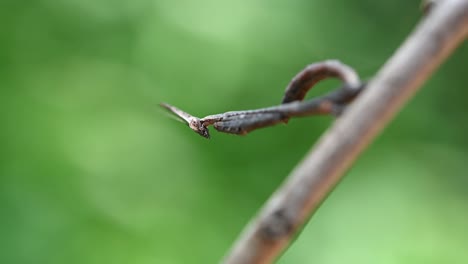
(292, 105)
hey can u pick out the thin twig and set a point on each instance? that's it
(287, 210)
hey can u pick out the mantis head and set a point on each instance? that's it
(196, 125)
(192, 121)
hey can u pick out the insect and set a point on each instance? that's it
(292, 104)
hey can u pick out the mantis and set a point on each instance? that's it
(292, 104)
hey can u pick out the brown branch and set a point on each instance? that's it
(287, 210)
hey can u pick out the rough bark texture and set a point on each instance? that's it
(434, 39)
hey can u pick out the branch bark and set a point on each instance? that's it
(287, 210)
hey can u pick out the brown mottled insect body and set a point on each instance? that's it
(242, 122)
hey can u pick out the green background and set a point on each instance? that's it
(92, 171)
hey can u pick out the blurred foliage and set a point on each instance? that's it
(91, 171)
